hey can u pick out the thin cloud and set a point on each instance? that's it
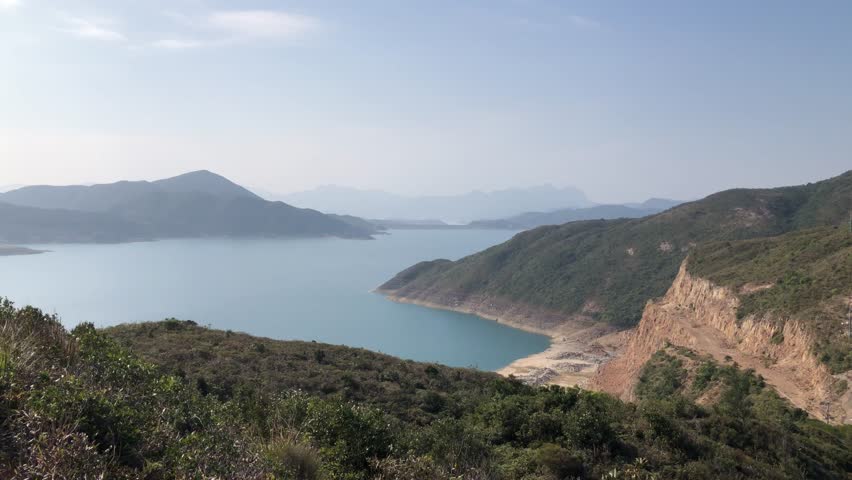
(584, 22)
(94, 29)
(9, 4)
(178, 44)
(263, 23)
(230, 27)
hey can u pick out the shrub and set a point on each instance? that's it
(290, 458)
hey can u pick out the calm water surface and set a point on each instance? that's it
(306, 289)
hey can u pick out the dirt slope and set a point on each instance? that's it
(699, 315)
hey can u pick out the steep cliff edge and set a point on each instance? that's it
(700, 315)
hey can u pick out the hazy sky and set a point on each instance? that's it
(624, 100)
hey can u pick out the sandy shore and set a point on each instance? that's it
(577, 347)
(572, 359)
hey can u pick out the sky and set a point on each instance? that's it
(624, 100)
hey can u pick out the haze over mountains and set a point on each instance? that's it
(457, 209)
(190, 205)
(598, 212)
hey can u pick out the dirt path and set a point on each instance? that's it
(779, 376)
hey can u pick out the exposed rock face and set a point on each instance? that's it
(699, 315)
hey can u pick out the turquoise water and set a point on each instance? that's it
(305, 289)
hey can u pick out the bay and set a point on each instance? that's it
(303, 289)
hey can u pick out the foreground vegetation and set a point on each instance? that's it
(81, 405)
(619, 265)
(222, 363)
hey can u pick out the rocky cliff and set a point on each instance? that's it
(697, 314)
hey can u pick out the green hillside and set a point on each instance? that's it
(620, 264)
(224, 362)
(82, 405)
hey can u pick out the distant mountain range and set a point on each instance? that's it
(456, 209)
(195, 204)
(529, 220)
(557, 217)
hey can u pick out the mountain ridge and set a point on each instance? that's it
(194, 204)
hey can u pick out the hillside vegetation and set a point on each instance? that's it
(223, 362)
(806, 275)
(618, 265)
(81, 405)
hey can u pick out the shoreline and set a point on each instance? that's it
(578, 347)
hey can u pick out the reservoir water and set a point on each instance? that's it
(304, 289)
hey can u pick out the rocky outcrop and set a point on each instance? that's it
(702, 316)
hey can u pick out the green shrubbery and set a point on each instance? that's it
(80, 405)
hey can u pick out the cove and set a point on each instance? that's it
(300, 289)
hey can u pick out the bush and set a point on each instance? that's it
(560, 462)
(289, 458)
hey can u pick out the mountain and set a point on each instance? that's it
(94, 198)
(105, 197)
(448, 208)
(557, 217)
(29, 225)
(656, 204)
(204, 181)
(606, 270)
(190, 205)
(172, 399)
